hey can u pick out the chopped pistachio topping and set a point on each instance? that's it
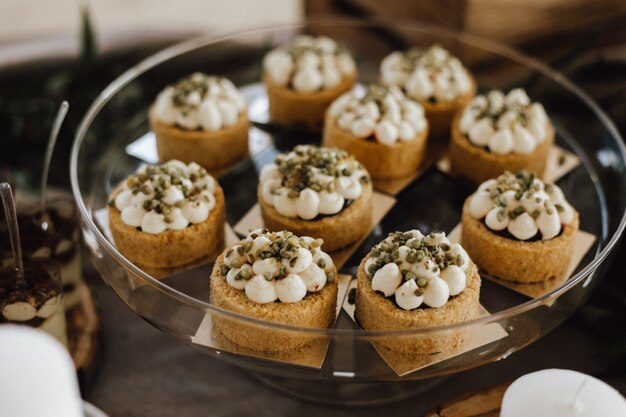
(425, 57)
(487, 111)
(298, 49)
(303, 167)
(526, 186)
(522, 183)
(197, 83)
(282, 246)
(376, 93)
(522, 204)
(433, 252)
(155, 181)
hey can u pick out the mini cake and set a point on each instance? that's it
(382, 128)
(517, 228)
(319, 192)
(58, 241)
(303, 77)
(201, 119)
(37, 302)
(434, 78)
(496, 133)
(168, 215)
(412, 281)
(274, 276)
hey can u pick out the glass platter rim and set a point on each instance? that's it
(210, 39)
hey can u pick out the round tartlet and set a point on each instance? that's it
(544, 243)
(435, 79)
(376, 310)
(473, 158)
(161, 244)
(382, 129)
(315, 308)
(286, 179)
(303, 77)
(201, 119)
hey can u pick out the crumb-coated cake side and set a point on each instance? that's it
(320, 192)
(168, 215)
(412, 281)
(277, 277)
(497, 133)
(518, 228)
(304, 76)
(381, 127)
(201, 119)
(433, 77)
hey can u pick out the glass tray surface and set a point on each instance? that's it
(178, 303)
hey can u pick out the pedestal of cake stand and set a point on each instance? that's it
(345, 393)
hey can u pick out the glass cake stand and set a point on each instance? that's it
(350, 368)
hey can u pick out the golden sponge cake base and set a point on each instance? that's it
(316, 310)
(171, 248)
(515, 260)
(381, 161)
(289, 107)
(479, 165)
(376, 312)
(337, 231)
(215, 151)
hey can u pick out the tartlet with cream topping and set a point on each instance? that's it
(201, 119)
(434, 78)
(381, 127)
(304, 76)
(518, 228)
(320, 192)
(275, 276)
(168, 215)
(412, 281)
(497, 133)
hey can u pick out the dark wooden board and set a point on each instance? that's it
(83, 334)
(478, 404)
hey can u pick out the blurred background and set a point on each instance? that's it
(71, 49)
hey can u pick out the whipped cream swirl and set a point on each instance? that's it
(426, 74)
(310, 181)
(523, 205)
(382, 113)
(417, 269)
(505, 124)
(200, 102)
(309, 64)
(170, 196)
(270, 266)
